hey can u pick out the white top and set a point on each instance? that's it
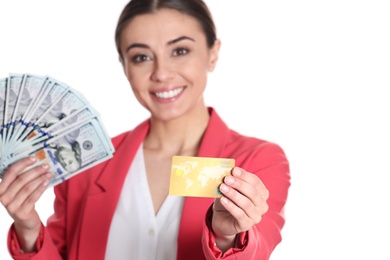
(136, 232)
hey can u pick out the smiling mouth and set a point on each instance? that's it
(169, 94)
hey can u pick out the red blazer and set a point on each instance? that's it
(85, 204)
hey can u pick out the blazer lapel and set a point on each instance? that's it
(194, 209)
(104, 194)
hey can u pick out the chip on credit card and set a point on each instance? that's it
(198, 176)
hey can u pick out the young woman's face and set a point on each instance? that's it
(166, 60)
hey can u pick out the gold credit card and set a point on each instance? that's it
(198, 176)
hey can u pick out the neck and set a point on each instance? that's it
(180, 136)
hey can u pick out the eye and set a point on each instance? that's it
(140, 58)
(180, 51)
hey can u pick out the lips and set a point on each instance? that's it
(168, 94)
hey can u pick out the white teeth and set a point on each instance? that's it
(169, 94)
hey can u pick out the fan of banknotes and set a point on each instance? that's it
(43, 117)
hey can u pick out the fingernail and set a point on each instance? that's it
(45, 166)
(33, 158)
(229, 180)
(236, 172)
(224, 188)
(224, 200)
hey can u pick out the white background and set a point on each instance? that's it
(312, 76)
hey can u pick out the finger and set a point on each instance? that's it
(26, 199)
(244, 188)
(236, 197)
(251, 197)
(248, 184)
(23, 181)
(246, 176)
(243, 221)
(248, 208)
(14, 170)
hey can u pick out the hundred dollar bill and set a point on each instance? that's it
(88, 149)
(26, 116)
(43, 134)
(67, 105)
(30, 88)
(14, 89)
(71, 152)
(3, 83)
(11, 93)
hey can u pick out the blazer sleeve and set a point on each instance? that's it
(268, 161)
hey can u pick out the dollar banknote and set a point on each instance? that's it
(43, 117)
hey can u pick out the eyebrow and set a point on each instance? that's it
(180, 39)
(141, 45)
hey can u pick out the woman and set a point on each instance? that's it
(121, 209)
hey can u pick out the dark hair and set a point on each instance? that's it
(194, 8)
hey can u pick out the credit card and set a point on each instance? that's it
(198, 176)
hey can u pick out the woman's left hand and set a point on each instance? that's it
(242, 206)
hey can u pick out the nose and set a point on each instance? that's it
(163, 70)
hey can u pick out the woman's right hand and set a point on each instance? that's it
(19, 193)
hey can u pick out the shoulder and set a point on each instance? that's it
(251, 142)
(135, 135)
(253, 146)
(261, 157)
(221, 140)
(116, 140)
